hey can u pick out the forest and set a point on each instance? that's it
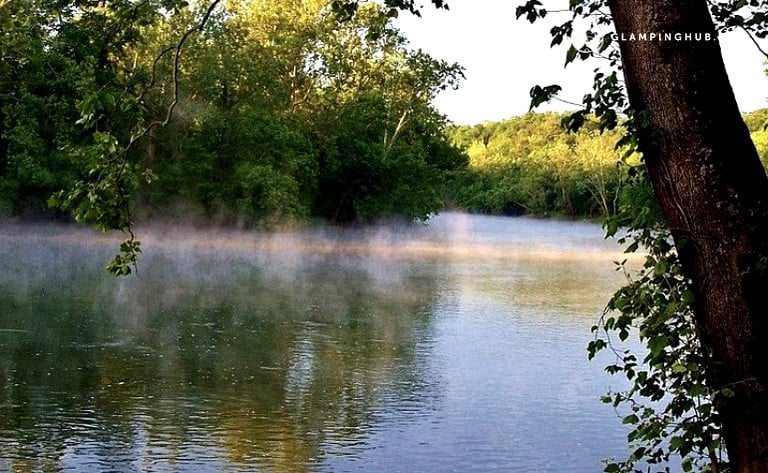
(532, 165)
(275, 113)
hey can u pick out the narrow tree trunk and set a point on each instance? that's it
(3, 143)
(714, 193)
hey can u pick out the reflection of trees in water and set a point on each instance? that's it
(233, 356)
(541, 284)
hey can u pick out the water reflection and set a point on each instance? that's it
(419, 349)
(202, 357)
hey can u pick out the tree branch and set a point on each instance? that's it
(751, 36)
(177, 48)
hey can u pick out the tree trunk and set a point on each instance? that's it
(714, 193)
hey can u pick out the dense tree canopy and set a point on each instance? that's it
(532, 165)
(273, 111)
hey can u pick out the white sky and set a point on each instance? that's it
(505, 57)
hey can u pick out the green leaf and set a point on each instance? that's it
(657, 344)
(676, 443)
(573, 122)
(571, 54)
(530, 11)
(630, 420)
(611, 227)
(540, 95)
(612, 468)
(606, 41)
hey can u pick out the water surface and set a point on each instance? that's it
(455, 346)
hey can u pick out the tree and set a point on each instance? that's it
(713, 191)
(251, 113)
(38, 109)
(707, 178)
(531, 164)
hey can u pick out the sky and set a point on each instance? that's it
(505, 57)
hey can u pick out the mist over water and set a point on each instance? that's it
(453, 346)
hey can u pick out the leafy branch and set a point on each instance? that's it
(672, 410)
(103, 197)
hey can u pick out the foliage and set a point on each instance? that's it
(668, 404)
(757, 122)
(671, 403)
(252, 112)
(37, 109)
(66, 105)
(531, 164)
(244, 167)
(299, 115)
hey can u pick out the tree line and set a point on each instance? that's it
(274, 111)
(280, 113)
(533, 165)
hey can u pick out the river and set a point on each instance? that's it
(453, 346)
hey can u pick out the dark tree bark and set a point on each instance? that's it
(3, 143)
(714, 193)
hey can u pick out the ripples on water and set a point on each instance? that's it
(456, 346)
